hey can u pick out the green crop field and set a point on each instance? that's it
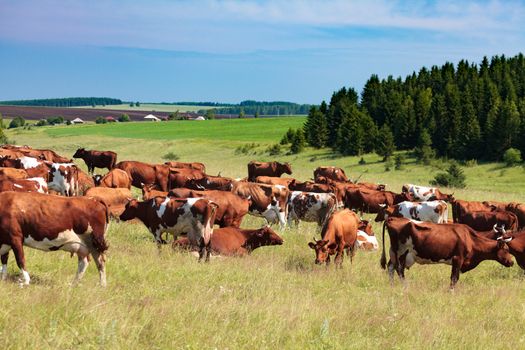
(275, 298)
(157, 107)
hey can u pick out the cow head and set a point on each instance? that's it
(97, 179)
(286, 168)
(130, 211)
(323, 250)
(266, 236)
(8, 162)
(384, 212)
(81, 152)
(366, 227)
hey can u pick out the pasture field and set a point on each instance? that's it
(158, 107)
(275, 298)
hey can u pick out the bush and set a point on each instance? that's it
(41, 122)
(389, 164)
(68, 122)
(288, 137)
(471, 163)
(246, 148)
(362, 161)
(17, 122)
(512, 157)
(170, 156)
(274, 149)
(101, 120)
(124, 118)
(55, 120)
(400, 161)
(454, 177)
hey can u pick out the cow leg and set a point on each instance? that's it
(18, 250)
(202, 249)
(100, 261)
(456, 266)
(328, 261)
(82, 266)
(4, 265)
(401, 268)
(339, 258)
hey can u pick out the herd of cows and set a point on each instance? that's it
(49, 203)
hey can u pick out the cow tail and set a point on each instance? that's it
(330, 211)
(99, 240)
(383, 256)
(209, 219)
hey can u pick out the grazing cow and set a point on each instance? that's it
(428, 243)
(485, 220)
(35, 184)
(432, 211)
(423, 194)
(339, 233)
(371, 201)
(310, 207)
(12, 173)
(85, 182)
(308, 186)
(366, 239)
(211, 183)
(274, 169)
(144, 173)
(97, 159)
(331, 172)
(231, 208)
(115, 178)
(115, 198)
(180, 177)
(516, 243)
(271, 180)
(270, 202)
(49, 223)
(43, 154)
(193, 217)
(182, 165)
(232, 241)
(63, 179)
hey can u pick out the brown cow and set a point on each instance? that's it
(271, 180)
(192, 165)
(275, 169)
(427, 243)
(268, 201)
(181, 177)
(115, 198)
(519, 210)
(85, 182)
(485, 220)
(516, 243)
(36, 184)
(193, 217)
(12, 173)
(338, 233)
(371, 201)
(50, 223)
(308, 186)
(232, 241)
(43, 154)
(231, 208)
(115, 178)
(150, 191)
(209, 182)
(97, 159)
(34, 167)
(143, 173)
(331, 172)
(461, 207)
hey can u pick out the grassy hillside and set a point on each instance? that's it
(276, 298)
(152, 107)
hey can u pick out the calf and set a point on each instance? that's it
(338, 233)
(193, 217)
(49, 223)
(433, 211)
(366, 239)
(232, 241)
(115, 198)
(85, 182)
(310, 207)
(275, 169)
(115, 178)
(36, 184)
(97, 159)
(420, 193)
(428, 243)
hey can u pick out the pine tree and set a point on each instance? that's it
(385, 146)
(423, 151)
(350, 135)
(298, 142)
(315, 128)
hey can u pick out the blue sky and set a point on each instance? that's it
(228, 51)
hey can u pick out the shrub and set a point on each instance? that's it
(41, 122)
(512, 157)
(246, 148)
(274, 149)
(17, 122)
(400, 161)
(101, 120)
(471, 163)
(362, 161)
(68, 122)
(454, 177)
(288, 137)
(124, 118)
(389, 164)
(170, 156)
(55, 120)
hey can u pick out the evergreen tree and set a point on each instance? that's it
(298, 142)
(315, 128)
(385, 146)
(350, 134)
(423, 151)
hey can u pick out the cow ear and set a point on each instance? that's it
(311, 245)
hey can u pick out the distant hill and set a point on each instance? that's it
(65, 102)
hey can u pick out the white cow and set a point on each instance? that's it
(63, 178)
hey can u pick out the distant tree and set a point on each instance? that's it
(241, 113)
(400, 161)
(101, 120)
(131, 104)
(315, 128)
(256, 115)
(423, 151)
(137, 104)
(298, 142)
(454, 177)
(17, 122)
(68, 122)
(174, 115)
(512, 156)
(124, 118)
(385, 145)
(350, 133)
(210, 113)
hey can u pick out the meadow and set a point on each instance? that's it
(156, 107)
(275, 298)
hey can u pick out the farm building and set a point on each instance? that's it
(77, 121)
(151, 117)
(200, 117)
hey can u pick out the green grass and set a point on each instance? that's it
(157, 107)
(276, 298)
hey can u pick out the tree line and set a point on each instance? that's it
(250, 107)
(65, 102)
(467, 111)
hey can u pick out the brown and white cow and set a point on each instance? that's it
(97, 159)
(193, 217)
(431, 211)
(366, 239)
(231, 208)
(34, 167)
(63, 179)
(115, 198)
(143, 173)
(339, 233)
(192, 165)
(45, 222)
(310, 207)
(115, 178)
(35, 184)
(428, 243)
(268, 201)
(371, 201)
(309, 186)
(42, 154)
(232, 241)
(421, 193)
(274, 169)
(330, 172)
